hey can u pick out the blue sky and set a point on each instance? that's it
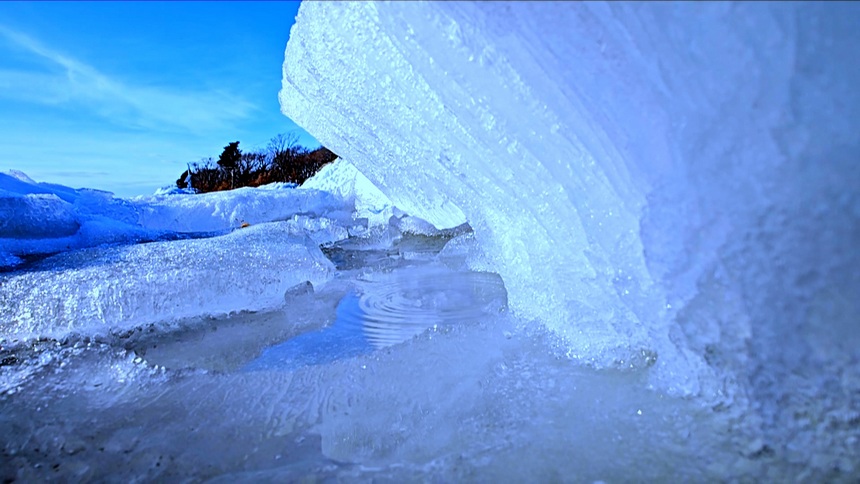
(120, 96)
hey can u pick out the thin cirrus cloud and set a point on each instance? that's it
(69, 81)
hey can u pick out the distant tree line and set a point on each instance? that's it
(283, 160)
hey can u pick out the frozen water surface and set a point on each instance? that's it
(122, 287)
(401, 368)
(384, 310)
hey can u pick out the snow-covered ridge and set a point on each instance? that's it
(671, 179)
(216, 211)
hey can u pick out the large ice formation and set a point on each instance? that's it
(651, 180)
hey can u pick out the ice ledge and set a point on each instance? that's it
(93, 291)
(632, 170)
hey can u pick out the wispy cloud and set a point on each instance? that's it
(124, 103)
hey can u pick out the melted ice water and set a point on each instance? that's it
(389, 309)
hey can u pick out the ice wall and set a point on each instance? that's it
(673, 180)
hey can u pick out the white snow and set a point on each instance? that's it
(670, 180)
(342, 178)
(209, 212)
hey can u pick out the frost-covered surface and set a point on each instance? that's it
(97, 290)
(459, 415)
(650, 180)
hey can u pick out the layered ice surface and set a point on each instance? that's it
(651, 181)
(119, 288)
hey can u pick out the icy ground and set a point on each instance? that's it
(291, 349)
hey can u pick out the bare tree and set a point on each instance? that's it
(283, 143)
(283, 160)
(282, 151)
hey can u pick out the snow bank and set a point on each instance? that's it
(42, 218)
(343, 179)
(95, 290)
(216, 211)
(37, 219)
(669, 181)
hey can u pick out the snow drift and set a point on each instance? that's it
(672, 182)
(38, 219)
(209, 212)
(341, 178)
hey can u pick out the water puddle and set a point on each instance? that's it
(388, 309)
(379, 298)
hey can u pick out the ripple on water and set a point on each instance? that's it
(390, 308)
(405, 303)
